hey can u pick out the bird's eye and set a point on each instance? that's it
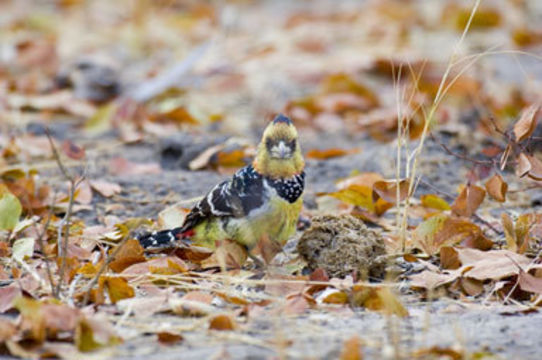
(293, 144)
(268, 143)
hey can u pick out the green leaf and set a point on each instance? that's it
(10, 209)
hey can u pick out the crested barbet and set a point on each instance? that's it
(261, 200)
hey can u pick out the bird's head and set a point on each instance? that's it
(279, 154)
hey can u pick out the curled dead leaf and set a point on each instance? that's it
(468, 201)
(526, 124)
(497, 188)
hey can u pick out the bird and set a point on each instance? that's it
(260, 201)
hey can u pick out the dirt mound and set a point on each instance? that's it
(343, 245)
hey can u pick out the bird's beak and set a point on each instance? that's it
(283, 150)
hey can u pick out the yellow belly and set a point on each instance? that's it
(275, 221)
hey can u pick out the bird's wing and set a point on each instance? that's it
(235, 197)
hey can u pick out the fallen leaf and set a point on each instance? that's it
(523, 165)
(222, 323)
(352, 349)
(95, 333)
(193, 303)
(493, 264)
(431, 280)
(437, 352)
(83, 193)
(105, 188)
(10, 209)
(448, 258)
(130, 253)
(118, 288)
(296, 304)
(497, 188)
(528, 282)
(7, 295)
(468, 200)
(329, 153)
(390, 191)
(121, 166)
(526, 124)
(378, 299)
(23, 247)
(443, 230)
(169, 338)
(433, 201)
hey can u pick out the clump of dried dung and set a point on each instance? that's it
(343, 245)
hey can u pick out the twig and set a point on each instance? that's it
(42, 248)
(460, 156)
(62, 247)
(87, 289)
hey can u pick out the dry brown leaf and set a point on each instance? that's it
(491, 265)
(468, 201)
(535, 171)
(130, 253)
(528, 282)
(7, 295)
(105, 188)
(329, 153)
(523, 165)
(518, 235)
(471, 287)
(526, 124)
(443, 230)
(352, 349)
(83, 193)
(437, 352)
(296, 304)
(430, 280)
(388, 189)
(222, 323)
(118, 288)
(95, 333)
(121, 166)
(169, 338)
(378, 299)
(449, 258)
(497, 188)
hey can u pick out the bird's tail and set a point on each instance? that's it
(164, 238)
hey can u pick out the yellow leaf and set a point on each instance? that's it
(434, 202)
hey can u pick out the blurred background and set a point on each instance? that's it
(232, 64)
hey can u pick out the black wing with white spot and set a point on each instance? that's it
(235, 197)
